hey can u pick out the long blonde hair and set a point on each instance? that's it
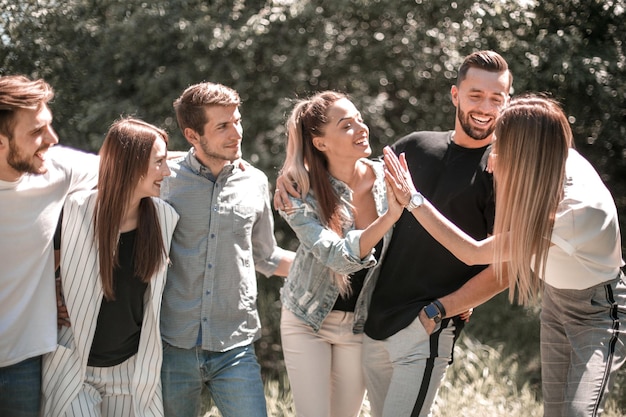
(533, 138)
(307, 166)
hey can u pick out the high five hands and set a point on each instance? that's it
(398, 176)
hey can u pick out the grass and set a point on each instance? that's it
(483, 382)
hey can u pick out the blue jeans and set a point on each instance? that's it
(233, 379)
(20, 388)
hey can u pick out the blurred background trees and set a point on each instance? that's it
(396, 58)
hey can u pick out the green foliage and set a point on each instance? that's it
(397, 59)
(576, 51)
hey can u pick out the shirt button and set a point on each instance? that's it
(210, 266)
(204, 319)
(208, 292)
(212, 235)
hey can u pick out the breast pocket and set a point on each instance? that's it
(243, 220)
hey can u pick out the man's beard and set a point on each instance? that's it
(476, 134)
(21, 164)
(218, 156)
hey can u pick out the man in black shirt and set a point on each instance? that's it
(404, 362)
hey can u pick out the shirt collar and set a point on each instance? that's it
(203, 171)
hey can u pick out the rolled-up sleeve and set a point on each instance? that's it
(341, 254)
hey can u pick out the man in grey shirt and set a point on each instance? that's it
(209, 317)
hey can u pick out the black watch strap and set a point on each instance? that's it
(442, 310)
(432, 312)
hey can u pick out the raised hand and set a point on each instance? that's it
(398, 175)
(394, 206)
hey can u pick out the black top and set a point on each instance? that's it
(119, 321)
(416, 268)
(356, 285)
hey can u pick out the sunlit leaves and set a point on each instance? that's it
(396, 58)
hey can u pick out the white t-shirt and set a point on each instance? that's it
(586, 248)
(29, 213)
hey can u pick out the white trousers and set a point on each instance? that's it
(105, 392)
(324, 368)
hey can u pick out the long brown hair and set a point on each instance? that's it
(124, 159)
(305, 164)
(533, 138)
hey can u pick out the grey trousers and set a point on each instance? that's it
(582, 347)
(403, 373)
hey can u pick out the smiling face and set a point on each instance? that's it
(150, 183)
(32, 137)
(220, 142)
(346, 136)
(479, 99)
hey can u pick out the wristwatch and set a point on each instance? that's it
(416, 200)
(435, 311)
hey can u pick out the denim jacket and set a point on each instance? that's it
(309, 291)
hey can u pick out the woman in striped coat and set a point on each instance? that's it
(114, 256)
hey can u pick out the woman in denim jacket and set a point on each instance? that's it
(344, 213)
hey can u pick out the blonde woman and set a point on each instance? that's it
(342, 220)
(114, 256)
(557, 239)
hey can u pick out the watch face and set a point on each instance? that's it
(417, 200)
(432, 313)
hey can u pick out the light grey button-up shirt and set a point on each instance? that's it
(225, 233)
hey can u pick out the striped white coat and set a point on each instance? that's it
(64, 369)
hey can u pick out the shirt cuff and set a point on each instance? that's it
(353, 247)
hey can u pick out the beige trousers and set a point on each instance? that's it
(324, 368)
